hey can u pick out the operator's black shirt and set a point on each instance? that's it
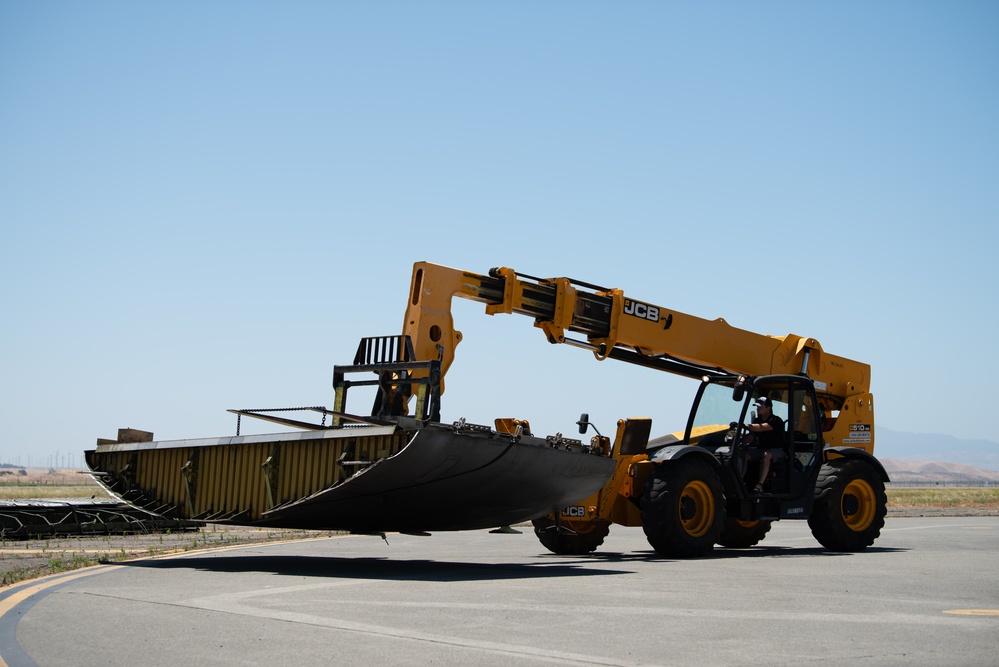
(773, 438)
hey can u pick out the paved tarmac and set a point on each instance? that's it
(927, 593)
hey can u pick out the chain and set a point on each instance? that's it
(315, 408)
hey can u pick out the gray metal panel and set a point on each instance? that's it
(295, 436)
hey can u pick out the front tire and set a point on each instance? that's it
(850, 506)
(585, 537)
(682, 508)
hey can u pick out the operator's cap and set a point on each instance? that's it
(763, 400)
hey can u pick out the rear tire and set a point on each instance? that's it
(588, 535)
(738, 534)
(850, 505)
(682, 508)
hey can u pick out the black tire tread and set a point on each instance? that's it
(660, 516)
(826, 520)
(566, 544)
(736, 536)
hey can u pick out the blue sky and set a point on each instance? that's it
(205, 205)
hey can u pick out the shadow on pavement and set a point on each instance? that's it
(549, 565)
(796, 552)
(721, 553)
(372, 568)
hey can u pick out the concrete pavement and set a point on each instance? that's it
(925, 594)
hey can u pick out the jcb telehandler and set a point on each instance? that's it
(689, 490)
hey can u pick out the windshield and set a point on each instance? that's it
(716, 410)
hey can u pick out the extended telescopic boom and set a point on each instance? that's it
(614, 326)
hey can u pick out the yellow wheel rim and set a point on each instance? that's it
(697, 508)
(580, 527)
(858, 505)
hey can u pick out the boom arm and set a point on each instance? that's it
(615, 326)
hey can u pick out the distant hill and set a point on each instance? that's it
(922, 447)
(933, 472)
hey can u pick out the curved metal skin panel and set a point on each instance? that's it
(445, 480)
(421, 479)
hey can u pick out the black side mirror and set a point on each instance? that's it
(741, 385)
(584, 421)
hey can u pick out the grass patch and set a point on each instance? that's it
(956, 496)
(26, 491)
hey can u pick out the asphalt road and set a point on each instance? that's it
(926, 594)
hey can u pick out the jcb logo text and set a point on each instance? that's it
(641, 310)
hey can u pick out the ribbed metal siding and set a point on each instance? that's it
(230, 480)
